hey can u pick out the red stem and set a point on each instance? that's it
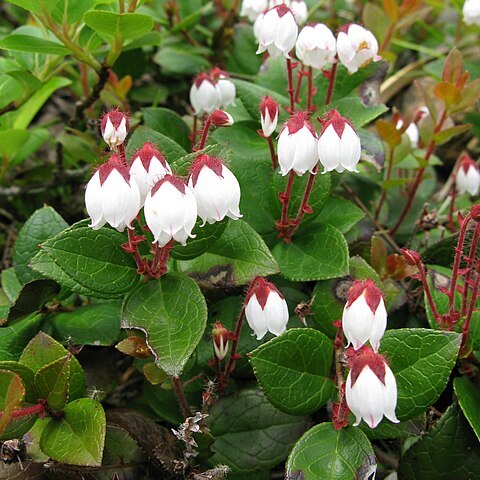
(311, 91)
(233, 357)
(471, 255)
(300, 76)
(25, 412)
(121, 153)
(286, 198)
(290, 89)
(331, 82)
(466, 323)
(180, 394)
(426, 287)
(419, 176)
(206, 128)
(134, 248)
(273, 155)
(384, 190)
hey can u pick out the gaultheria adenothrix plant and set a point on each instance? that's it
(280, 272)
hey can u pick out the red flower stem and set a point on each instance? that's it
(286, 198)
(466, 323)
(340, 409)
(290, 89)
(419, 176)
(311, 91)
(273, 155)
(456, 263)
(25, 412)
(331, 82)
(233, 357)
(387, 178)
(300, 75)
(180, 394)
(206, 128)
(133, 246)
(426, 287)
(121, 153)
(471, 256)
(164, 256)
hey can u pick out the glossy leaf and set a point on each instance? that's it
(12, 393)
(52, 382)
(14, 338)
(123, 25)
(27, 43)
(468, 396)
(26, 375)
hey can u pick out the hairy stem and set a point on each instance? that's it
(331, 82)
(180, 394)
(290, 90)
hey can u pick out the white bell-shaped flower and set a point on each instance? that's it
(297, 146)
(468, 177)
(269, 113)
(371, 388)
(411, 131)
(277, 31)
(147, 168)
(114, 128)
(170, 211)
(364, 316)
(356, 47)
(339, 146)
(225, 86)
(112, 196)
(253, 8)
(316, 46)
(216, 189)
(471, 12)
(205, 96)
(300, 11)
(265, 309)
(256, 27)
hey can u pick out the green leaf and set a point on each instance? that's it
(250, 433)
(182, 59)
(448, 451)
(72, 10)
(11, 140)
(10, 284)
(27, 43)
(324, 453)
(161, 309)
(36, 6)
(468, 396)
(26, 375)
(242, 57)
(234, 259)
(42, 225)
(52, 382)
(14, 338)
(43, 350)
(421, 361)
(293, 370)
(91, 262)
(12, 393)
(78, 437)
(342, 214)
(123, 25)
(96, 324)
(306, 258)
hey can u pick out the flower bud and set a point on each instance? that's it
(364, 316)
(356, 47)
(297, 146)
(412, 258)
(216, 189)
(220, 338)
(225, 86)
(265, 308)
(468, 177)
(114, 126)
(371, 388)
(277, 31)
(205, 96)
(220, 118)
(300, 11)
(170, 211)
(253, 8)
(111, 196)
(471, 12)
(316, 46)
(269, 112)
(339, 145)
(147, 168)
(412, 132)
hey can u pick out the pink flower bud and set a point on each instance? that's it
(216, 189)
(111, 197)
(114, 127)
(339, 145)
(412, 258)
(468, 177)
(269, 112)
(364, 316)
(277, 31)
(147, 168)
(170, 211)
(356, 47)
(220, 118)
(205, 96)
(220, 337)
(371, 388)
(316, 46)
(297, 146)
(265, 308)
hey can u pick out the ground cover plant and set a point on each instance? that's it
(240, 239)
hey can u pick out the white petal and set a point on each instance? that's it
(359, 321)
(276, 313)
(256, 317)
(379, 325)
(286, 34)
(390, 395)
(285, 151)
(116, 199)
(329, 149)
(350, 149)
(93, 201)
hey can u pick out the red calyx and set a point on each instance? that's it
(297, 122)
(114, 162)
(268, 103)
(201, 161)
(372, 293)
(219, 118)
(344, 28)
(466, 162)
(282, 10)
(216, 73)
(115, 116)
(475, 212)
(337, 121)
(200, 78)
(261, 288)
(146, 153)
(367, 357)
(411, 257)
(175, 181)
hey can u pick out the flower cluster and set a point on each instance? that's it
(255, 9)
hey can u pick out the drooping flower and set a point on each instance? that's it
(111, 196)
(339, 145)
(225, 86)
(371, 388)
(316, 46)
(269, 113)
(170, 211)
(411, 131)
(205, 96)
(265, 308)
(468, 177)
(253, 8)
(216, 189)
(114, 128)
(471, 12)
(300, 11)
